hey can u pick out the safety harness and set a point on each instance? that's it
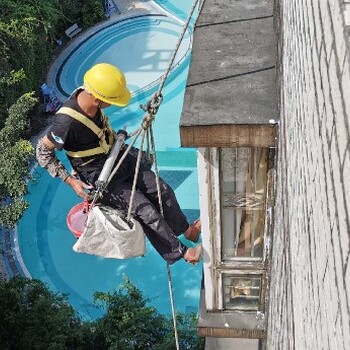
(104, 145)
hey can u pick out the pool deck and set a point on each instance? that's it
(126, 6)
(4, 266)
(8, 261)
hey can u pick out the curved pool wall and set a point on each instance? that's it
(140, 46)
(44, 239)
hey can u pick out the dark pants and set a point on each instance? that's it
(162, 232)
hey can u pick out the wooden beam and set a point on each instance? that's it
(246, 135)
(231, 333)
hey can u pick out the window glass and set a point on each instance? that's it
(242, 292)
(243, 192)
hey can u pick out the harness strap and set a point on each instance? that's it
(104, 146)
(87, 153)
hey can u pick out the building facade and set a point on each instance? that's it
(267, 105)
(309, 305)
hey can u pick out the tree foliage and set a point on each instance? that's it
(128, 322)
(27, 30)
(34, 318)
(16, 155)
(186, 325)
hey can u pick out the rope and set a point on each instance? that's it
(137, 170)
(152, 108)
(165, 76)
(170, 283)
(146, 131)
(160, 203)
(157, 97)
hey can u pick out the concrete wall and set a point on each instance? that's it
(310, 282)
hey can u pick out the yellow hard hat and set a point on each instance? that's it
(107, 83)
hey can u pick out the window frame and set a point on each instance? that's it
(215, 266)
(243, 260)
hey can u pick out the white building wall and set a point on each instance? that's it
(310, 275)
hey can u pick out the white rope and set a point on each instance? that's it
(171, 61)
(173, 306)
(146, 131)
(156, 101)
(137, 170)
(170, 283)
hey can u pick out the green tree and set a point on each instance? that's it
(27, 30)
(16, 155)
(186, 325)
(85, 12)
(130, 324)
(25, 55)
(32, 317)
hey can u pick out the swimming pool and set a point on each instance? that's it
(44, 239)
(140, 46)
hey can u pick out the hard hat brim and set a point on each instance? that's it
(107, 83)
(120, 101)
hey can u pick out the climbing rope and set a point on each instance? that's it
(154, 105)
(158, 94)
(146, 133)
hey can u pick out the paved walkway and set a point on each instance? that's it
(128, 6)
(8, 266)
(3, 271)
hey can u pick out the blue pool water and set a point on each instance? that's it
(141, 47)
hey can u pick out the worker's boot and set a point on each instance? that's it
(193, 231)
(193, 255)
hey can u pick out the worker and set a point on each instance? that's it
(83, 131)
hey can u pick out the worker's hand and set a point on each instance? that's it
(79, 186)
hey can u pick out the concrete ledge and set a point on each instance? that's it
(230, 324)
(231, 344)
(232, 78)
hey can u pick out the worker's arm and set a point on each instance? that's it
(45, 154)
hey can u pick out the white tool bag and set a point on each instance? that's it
(108, 235)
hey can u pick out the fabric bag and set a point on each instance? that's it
(108, 235)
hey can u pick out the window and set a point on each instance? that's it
(239, 201)
(243, 194)
(243, 291)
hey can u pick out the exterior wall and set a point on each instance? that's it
(310, 272)
(231, 344)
